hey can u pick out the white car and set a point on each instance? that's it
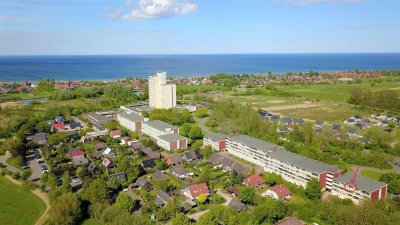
(40, 160)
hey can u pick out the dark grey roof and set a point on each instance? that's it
(301, 161)
(150, 163)
(164, 196)
(119, 176)
(97, 118)
(131, 116)
(363, 183)
(92, 167)
(215, 158)
(180, 171)
(215, 136)
(240, 169)
(236, 204)
(171, 137)
(158, 175)
(40, 137)
(80, 160)
(255, 143)
(192, 155)
(160, 125)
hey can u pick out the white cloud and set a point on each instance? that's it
(154, 9)
(313, 2)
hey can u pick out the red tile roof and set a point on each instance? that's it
(281, 190)
(58, 125)
(198, 189)
(115, 132)
(76, 153)
(254, 180)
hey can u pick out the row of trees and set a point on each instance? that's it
(383, 99)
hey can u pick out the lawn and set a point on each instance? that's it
(18, 206)
(91, 221)
(371, 174)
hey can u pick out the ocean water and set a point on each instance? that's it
(102, 67)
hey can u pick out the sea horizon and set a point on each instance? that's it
(15, 68)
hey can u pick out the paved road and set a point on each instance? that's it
(3, 160)
(203, 126)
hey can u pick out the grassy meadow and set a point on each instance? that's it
(18, 206)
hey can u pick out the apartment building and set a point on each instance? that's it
(215, 140)
(299, 170)
(366, 188)
(292, 167)
(156, 128)
(172, 141)
(131, 120)
(161, 94)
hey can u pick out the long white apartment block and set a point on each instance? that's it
(299, 170)
(131, 120)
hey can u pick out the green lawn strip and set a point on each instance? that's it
(372, 174)
(18, 206)
(92, 221)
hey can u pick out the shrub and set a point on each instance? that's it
(29, 185)
(16, 175)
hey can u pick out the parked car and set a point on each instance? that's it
(39, 160)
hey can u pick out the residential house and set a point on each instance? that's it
(119, 176)
(187, 205)
(299, 121)
(57, 127)
(172, 159)
(215, 140)
(158, 175)
(40, 138)
(162, 198)
(234, 191)
(254, 181)
(319, 124)
(142, 183)
(107, 163)
(150, 153)
(75, 126)
(237, 205)
(191, 156)
(350, 122)
(115, 134)
(194, 191)
(215, 159)
(148, 164)
(291, 221)
(79, 160)
(109, 152)
(278, 192)
(181, 172)
(136, 145)
(72, 152)
(93, 168)
(286, 120)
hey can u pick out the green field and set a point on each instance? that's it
(91, 222)
(18, 206)
(371, 174)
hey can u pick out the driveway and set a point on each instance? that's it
(197, 215)
(226, 196)
(202, 124)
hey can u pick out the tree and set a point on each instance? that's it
(201, 112)
(169, 210)
(66, 210)
(25, 175)
(202, 198)
(247, 195)
(66, 178)
(125, 202)
(313, 189)
(161, 164)
(95, 191)
(14, 145)
(270, 211)
(185, 129)
(180, 219)
(195, 132)
(51, 180)
(206, 151)
(81, 172)
(57, 138)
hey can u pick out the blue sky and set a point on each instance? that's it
(69, 27)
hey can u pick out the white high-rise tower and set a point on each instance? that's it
(161, 94)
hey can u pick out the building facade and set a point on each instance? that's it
(131, 120)
(161, 94)
(157, 128)
(172, 142)
(216, 141)
(299, 170)
(366, 188)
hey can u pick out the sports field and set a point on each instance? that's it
(18, 206)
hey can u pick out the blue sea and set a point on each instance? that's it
(105, 67)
